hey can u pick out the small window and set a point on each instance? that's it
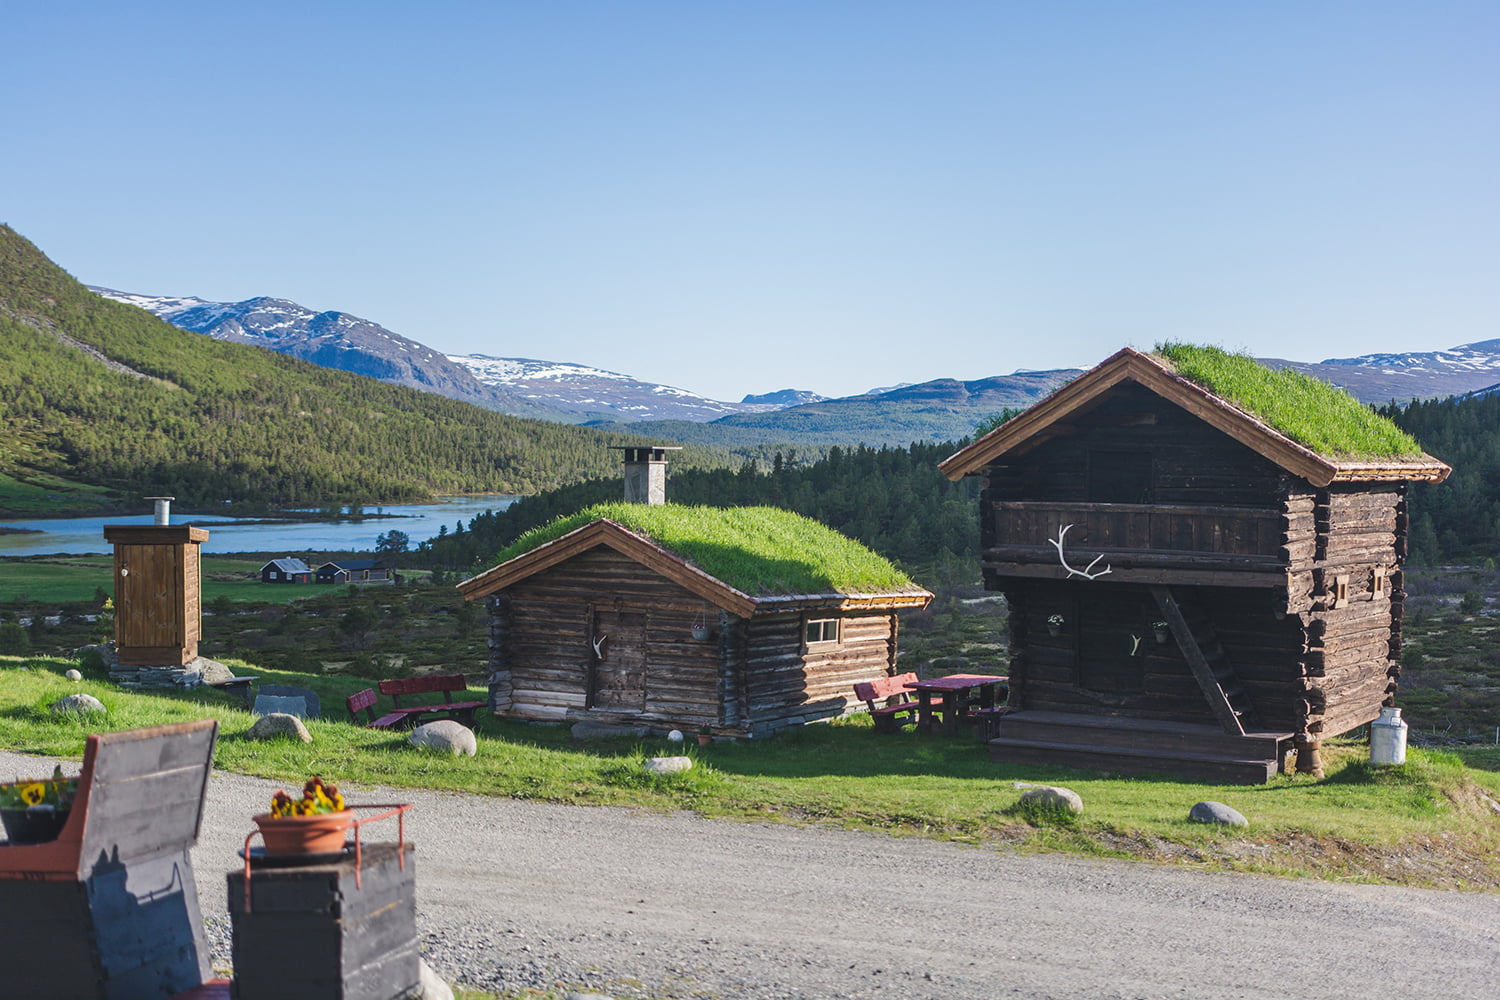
(821, 630)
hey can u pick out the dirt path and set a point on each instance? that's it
(514, 893)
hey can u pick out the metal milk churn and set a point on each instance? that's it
(1388, 738)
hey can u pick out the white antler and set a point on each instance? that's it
(599, 647)
(1086, 572)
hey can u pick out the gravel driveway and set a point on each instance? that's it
(516, 894)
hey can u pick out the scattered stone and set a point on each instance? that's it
(605, 730)
(1054, 797)
(669, 765)
(445, 736)
(79, 704)
(73, 675)
(1216, 812)
(214, 672)
(294, 700)
(432, 988)
(674, 736)
(589, 996)
(279, 725)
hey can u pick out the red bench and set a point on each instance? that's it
(896, 709)
(450, 686)
(365, 701)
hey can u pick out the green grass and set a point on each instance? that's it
(1309, 411)
(1426, 823)
(72, 579)
(759, 551)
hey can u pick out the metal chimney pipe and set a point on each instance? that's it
(163, 509)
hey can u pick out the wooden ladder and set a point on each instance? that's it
(1210, 664)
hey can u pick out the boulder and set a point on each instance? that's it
(1053, 797)
(79, 704)
(445, 736)
(1216, 812)
(669, 765)
(279, 725)
(214, 672)
(73, 675)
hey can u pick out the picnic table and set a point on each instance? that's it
(944, 701)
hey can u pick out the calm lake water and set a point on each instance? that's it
(77, 535)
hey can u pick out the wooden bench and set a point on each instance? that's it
(895, 708)
(365, 701)
(109, 909)
(449, 686)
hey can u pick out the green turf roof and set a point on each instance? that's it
(1311, 412)
(759, 551)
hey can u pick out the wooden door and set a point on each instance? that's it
(618, 683)
(1111, 650)
(148, 596)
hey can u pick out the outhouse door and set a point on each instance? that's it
(618, 683)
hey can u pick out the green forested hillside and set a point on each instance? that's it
(101, 393)
(1457, 520)
(892, 499)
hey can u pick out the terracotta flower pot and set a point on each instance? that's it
(319, 834)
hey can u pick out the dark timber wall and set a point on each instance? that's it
(749, 675)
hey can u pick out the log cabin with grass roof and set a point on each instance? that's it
(1203, 562)
(743, 620)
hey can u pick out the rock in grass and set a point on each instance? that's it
(278, 726)
(669, 765)
(73, 675)
(445, 736)
(1053, 797)
(78, 704)
(1216, 812)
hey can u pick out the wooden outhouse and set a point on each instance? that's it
(1192, 588)
(158, 601)
(743, 620)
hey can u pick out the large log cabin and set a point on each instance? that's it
(1192, 590)
(742, 620)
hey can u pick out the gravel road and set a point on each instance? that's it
(516, 894)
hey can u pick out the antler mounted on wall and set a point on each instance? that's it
(1087, 572)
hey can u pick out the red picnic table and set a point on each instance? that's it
(961, 694)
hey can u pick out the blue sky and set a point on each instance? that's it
(741, 197)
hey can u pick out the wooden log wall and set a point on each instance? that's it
(546, 652)
(1354, 608)
(1192, 463)
(749, 676)
(789, 684)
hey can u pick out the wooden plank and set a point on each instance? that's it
(1218, 703)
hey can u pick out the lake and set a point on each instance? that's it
(78, 535)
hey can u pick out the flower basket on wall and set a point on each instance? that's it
(34, 811)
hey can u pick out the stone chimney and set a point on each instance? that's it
(646, 473)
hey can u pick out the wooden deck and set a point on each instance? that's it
(1138, 747)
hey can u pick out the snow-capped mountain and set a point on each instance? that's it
(596, 394)
(1381, 378)
(331, 339)
(521, 386)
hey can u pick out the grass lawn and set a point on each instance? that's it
(1430, 822)
(72, 579)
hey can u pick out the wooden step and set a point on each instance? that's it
(1134, 761)
(1119, 731)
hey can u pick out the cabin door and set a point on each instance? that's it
(618, 681)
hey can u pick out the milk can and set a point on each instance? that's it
(1388, 738)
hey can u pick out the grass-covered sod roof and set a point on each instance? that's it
(759, 551)
(1311, 412)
